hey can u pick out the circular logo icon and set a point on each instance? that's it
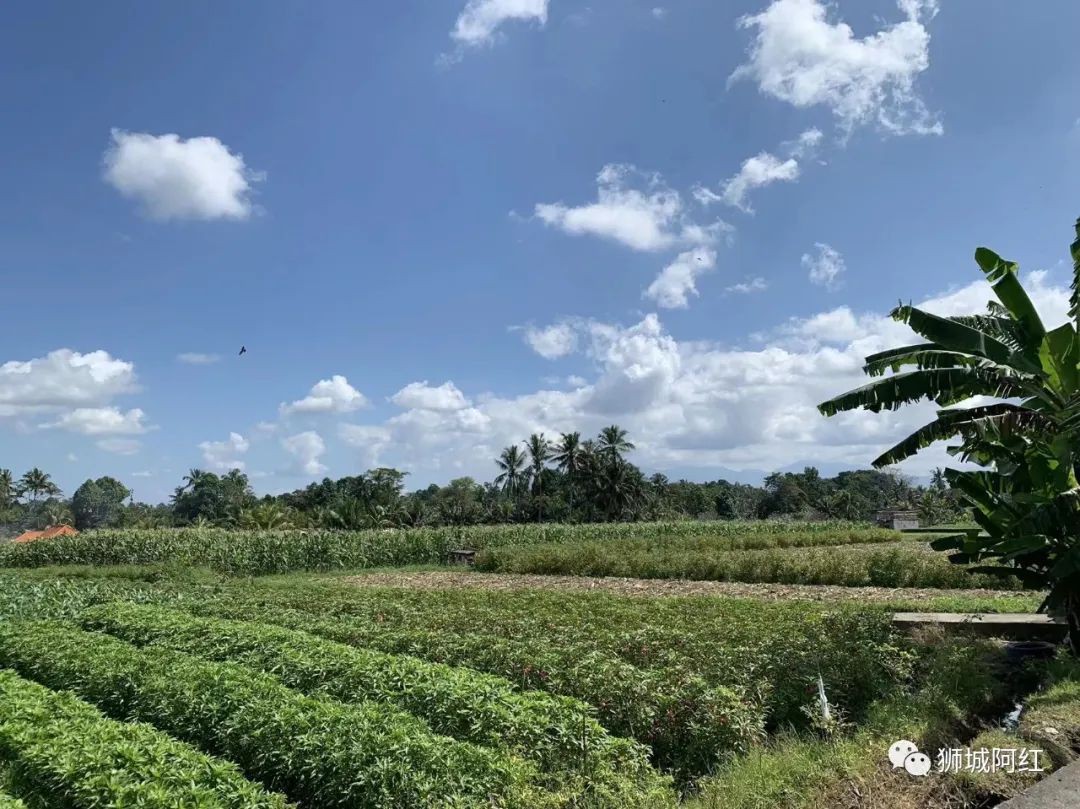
(917, 764)
(900, 751)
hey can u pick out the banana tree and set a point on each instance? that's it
(1026, 498)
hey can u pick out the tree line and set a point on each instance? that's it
(566, 479)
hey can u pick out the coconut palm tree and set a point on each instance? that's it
(539, 452)
(613, 443)
(568, 456)
(9, 492)
(37, 483)
(512, 466)
(192, 478)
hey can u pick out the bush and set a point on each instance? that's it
(66, 752)
(558, 733)
(320, 753)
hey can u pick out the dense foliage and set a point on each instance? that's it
(568, 481)
(320, 753)
(1022, 427)
(557, 733)
(66, 752)
(280, 551)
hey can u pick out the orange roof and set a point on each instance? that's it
(48, 533)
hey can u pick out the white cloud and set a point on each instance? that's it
(306, 449)
(192, 358)
(420, 395)
(554, 341)
(799, 56)
(648, 219)
(480, 20)
(757, 171)
(120, 446)
(806, 144)
(173, 178)
(63, 379)
(750, 285)
(333, 395)
(826, 267)
(762, 169)
(224, 455)
(71, 456)
(659, 12)
(694, 404)
(677, 281)
(142, 474)
(101, 421)
(575, 381)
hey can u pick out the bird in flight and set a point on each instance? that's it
(243, 351)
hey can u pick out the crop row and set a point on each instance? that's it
(695, 679)
(67, 752)
(263, 552)
(850, 567)
(319, 753)
(558, 733)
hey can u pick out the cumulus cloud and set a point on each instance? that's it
(677, 281)
(63, 379)
(659, 12)
(825, 267)
(306, 449)
(421, 396)
(193, 358)
(750, 285)
(760, 170)
(173, 178)
(799, 56)
(554, 341)
(647, 218)
(692, 404)
(333, 395)
(101, 421)
(224, 455)
(480, 20)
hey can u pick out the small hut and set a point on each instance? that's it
(897, 519)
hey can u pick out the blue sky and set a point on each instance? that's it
(438, 227)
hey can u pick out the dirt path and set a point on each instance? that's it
(437, 580)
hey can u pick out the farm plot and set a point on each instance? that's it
(849, 564)
(265, 552)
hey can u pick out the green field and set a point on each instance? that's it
(155, 668)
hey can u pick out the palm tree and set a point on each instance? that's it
(613, 443)
(539, 450)
(192, 478)
(569, 457)
(9, 492)
(38, 483)
(512, 464)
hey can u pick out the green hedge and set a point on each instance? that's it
(319, 753)
(849, 567)
(264, 552)
(67, 753)
(558, 733)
